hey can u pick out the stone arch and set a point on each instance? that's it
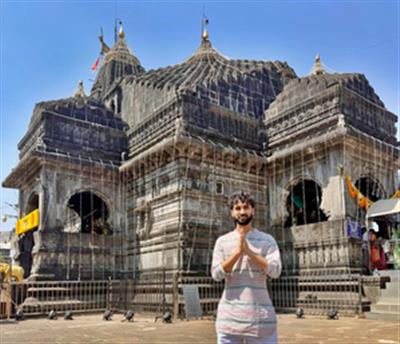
(33, 203)
(370, 187)
(303, 202)
(88, 212)
(112, 106)
(109, 202)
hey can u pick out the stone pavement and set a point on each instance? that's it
(88, 329)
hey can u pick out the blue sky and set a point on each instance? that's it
(47, 46)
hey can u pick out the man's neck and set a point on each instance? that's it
(243, 229)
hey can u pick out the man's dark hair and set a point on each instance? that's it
(243, 197)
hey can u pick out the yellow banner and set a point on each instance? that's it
(27, 223)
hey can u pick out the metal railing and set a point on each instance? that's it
(159, 291)
(150, 292)
(317, 294)
(209, 292)
(35, 298)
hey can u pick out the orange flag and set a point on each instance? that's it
(96, 64)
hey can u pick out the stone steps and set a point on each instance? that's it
(390, 316)
(393, 274)
(392, 290)
(390, 300)
(388, 306)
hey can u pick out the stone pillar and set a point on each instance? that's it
(41, 207)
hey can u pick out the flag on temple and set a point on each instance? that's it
(96, 64)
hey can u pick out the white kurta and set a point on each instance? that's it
(245, 307)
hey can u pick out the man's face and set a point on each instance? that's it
(242, 213)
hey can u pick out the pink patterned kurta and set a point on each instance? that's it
(245, 307)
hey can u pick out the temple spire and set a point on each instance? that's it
(317, 68)
(118, 63)
(205, 48)
(204, 34)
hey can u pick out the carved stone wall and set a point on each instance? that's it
(320, 164)
(178, 207)
(319, 247)
(62, 255)
(366, 156)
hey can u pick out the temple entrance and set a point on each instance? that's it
(26, 240)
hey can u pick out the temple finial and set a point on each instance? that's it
(317, 68)
(80, 91)
(204, 34)
(121, 33)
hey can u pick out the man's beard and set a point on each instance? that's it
(244, 221)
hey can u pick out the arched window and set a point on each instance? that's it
(303, 203)
(373, 190)
(88, 214)
(370, 188)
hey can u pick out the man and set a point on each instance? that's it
(244, 257)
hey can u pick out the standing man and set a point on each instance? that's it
(244, 257)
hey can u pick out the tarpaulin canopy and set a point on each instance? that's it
(384, 207)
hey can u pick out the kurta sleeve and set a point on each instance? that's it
(217, 272)
(273, 258)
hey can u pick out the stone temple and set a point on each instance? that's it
(135, 177)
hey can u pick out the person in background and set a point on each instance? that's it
(387, 249)
(365, 249)
(383, 260)
(377, 254)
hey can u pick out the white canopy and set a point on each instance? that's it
(384, 207)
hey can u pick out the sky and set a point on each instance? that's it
(48, 46)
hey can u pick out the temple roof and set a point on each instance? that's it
(301, 89)
(118, 63)
(206, 66)
(80, 107)
(221, 80)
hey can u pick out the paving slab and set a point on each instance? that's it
(91, 329)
